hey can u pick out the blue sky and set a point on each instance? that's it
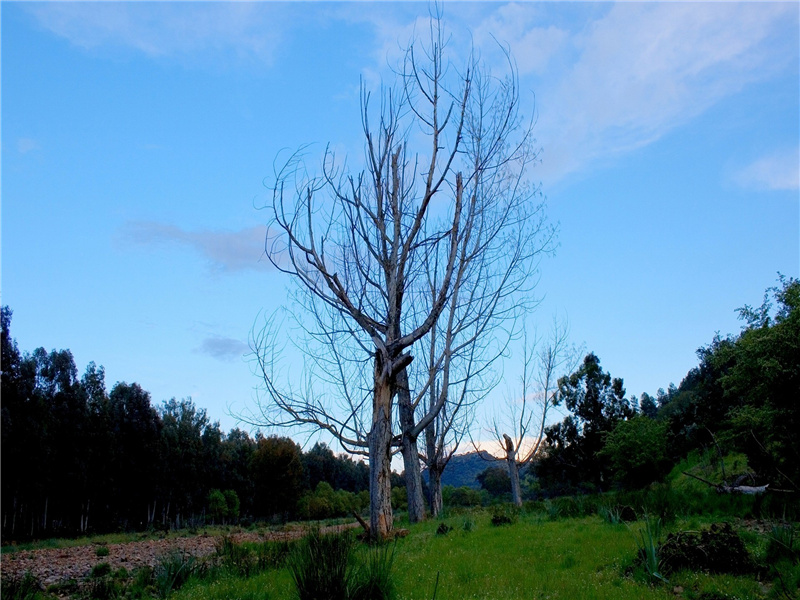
(136, 139)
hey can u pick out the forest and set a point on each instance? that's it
(79, 459)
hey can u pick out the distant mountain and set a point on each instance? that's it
(463, 468)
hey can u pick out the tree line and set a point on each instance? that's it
(77, 458)
(742, 397)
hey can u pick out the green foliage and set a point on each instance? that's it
(272, 554)
(26, 587)
(597, 404)
(374, 579)
(322, 566)
(461, 496)
(102, 551)
(443, 529)
(236, 559)
(504, 514)
(173, 571)
(232, 504)
(100, 570)
(783, 544)
(328, 567)
(325, 503)
(469, 524)
(495, 480)
(648, 542)
(217, 506)
(717, 549)
(399, 498)
(636, 451)
(277, 472)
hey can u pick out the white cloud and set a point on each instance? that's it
(25, 145)
(226, 251)
(516, 26)
(609, 80)
(645, 69)
(777, 171)
(223, 348)
(237, 30)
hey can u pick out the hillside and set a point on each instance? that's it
(463, 468)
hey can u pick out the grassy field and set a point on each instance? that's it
(580, 558)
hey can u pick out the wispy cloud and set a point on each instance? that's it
(223, 348)
(645, 69)
(25, 145)
(609, 80)
(228, 30)
(226, 251)
(777, 171)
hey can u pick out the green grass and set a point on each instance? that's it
(580, 558)
(535, 557)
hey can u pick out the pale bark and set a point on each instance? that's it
(380, 460)
(408, 447)
(513, 471)
(435, 490)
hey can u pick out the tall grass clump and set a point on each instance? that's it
(328, 567)
(373, 580)
(782, 544)
(173, 571)
(235, 558)
(26, 587)
(322, 566)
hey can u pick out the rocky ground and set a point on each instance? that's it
(53, 565)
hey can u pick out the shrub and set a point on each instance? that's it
(231, 504)
(505, 514)
(217, 506)
(718, 549)
(469, 524)
(100, 570)
(637, 450)
(102, 551)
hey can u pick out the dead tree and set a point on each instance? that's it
(526, 415)
(355, 244)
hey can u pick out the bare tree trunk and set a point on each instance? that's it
(413, 473)
(435, 489)
(513, 471)
(380, 460)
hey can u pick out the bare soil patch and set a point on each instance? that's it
(53, 565)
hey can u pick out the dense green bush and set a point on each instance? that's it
(637, 451)
(461, 496)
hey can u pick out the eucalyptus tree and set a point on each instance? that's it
(443, 187)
